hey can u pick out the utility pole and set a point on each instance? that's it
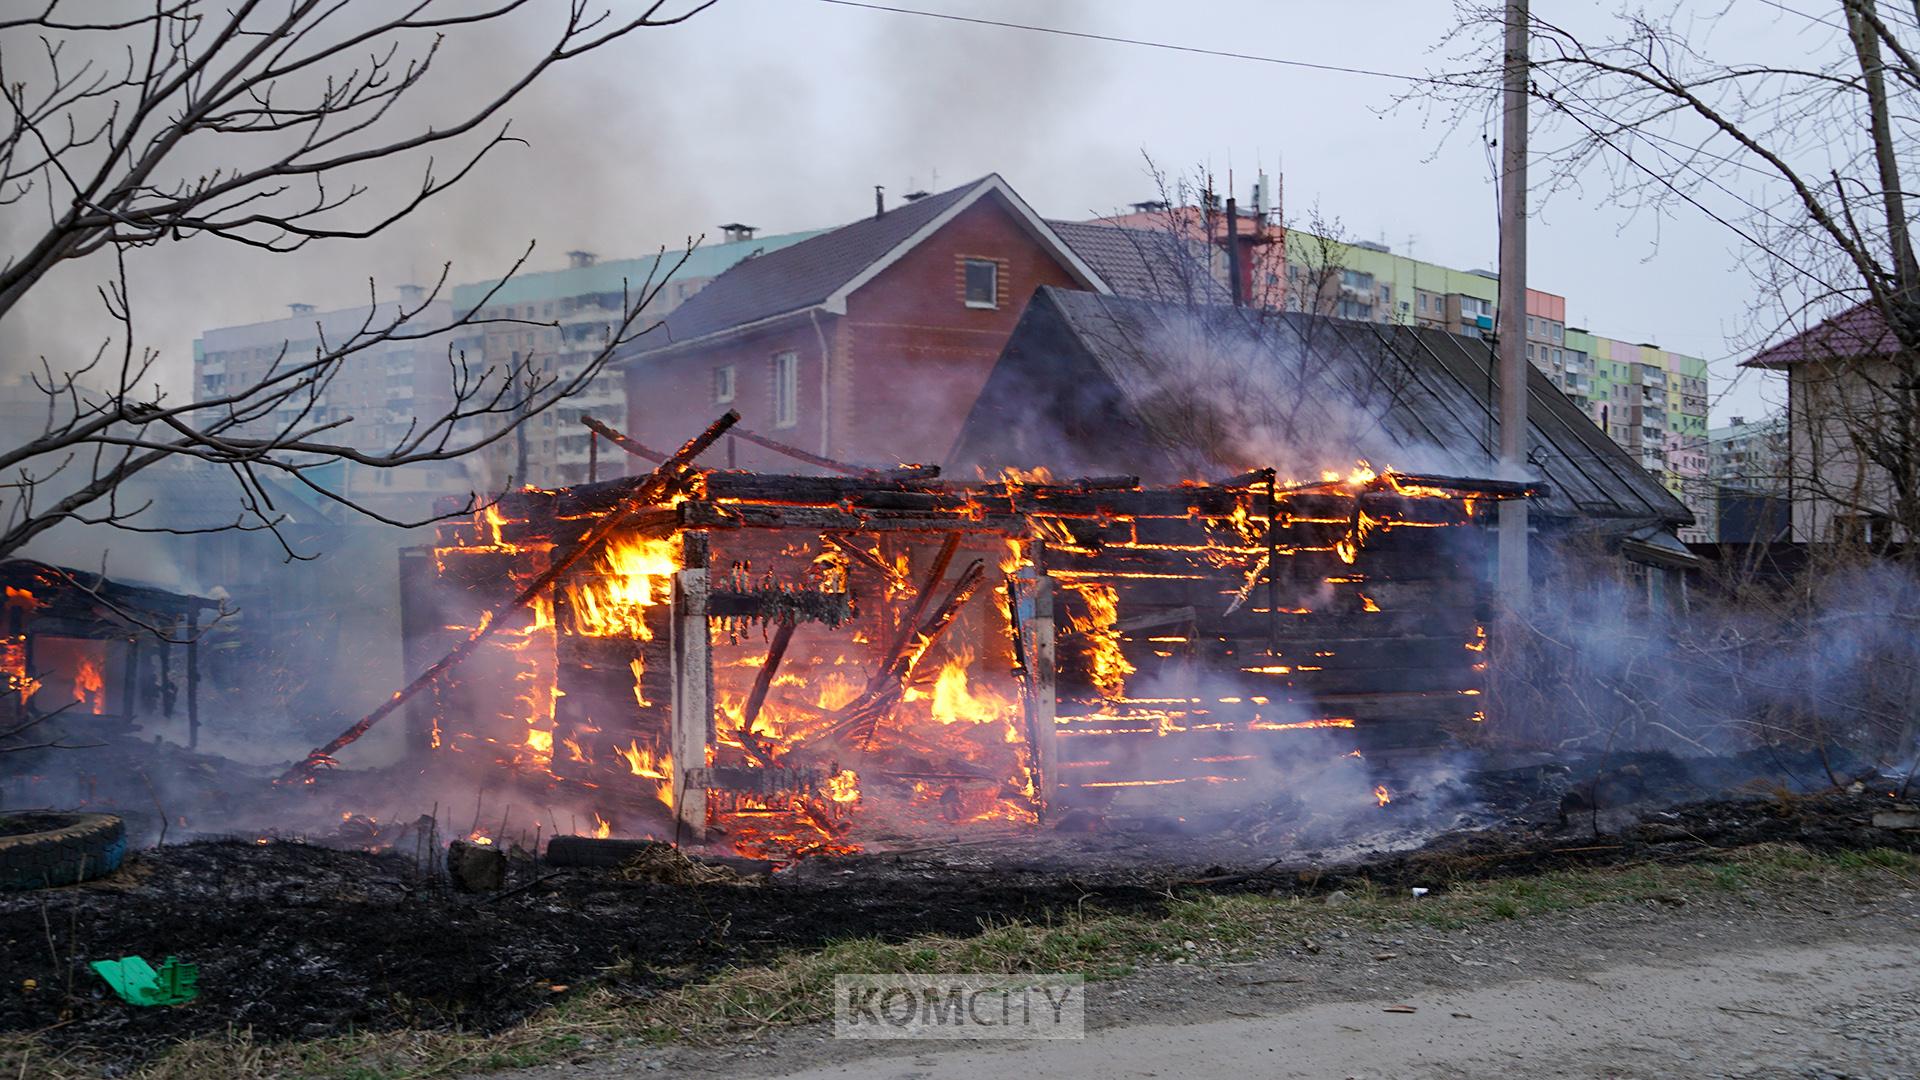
(1512, 339)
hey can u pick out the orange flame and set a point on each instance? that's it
(635, 574)
(642, 762)
(1381, 795)
(1110, 667)
(89, 688)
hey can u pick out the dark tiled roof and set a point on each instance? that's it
(801, 276)
(1398, 396)
(1143, 264)
(1856, 332)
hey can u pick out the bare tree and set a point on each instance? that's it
(1800, 152)
(106, 119)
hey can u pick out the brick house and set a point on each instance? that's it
(867, 344)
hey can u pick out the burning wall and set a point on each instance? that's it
(798, 664)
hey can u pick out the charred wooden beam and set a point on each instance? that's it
(798, 454)
(764, 781)
(669, 477)
(625, 442)
(781, 605)
(762, 683)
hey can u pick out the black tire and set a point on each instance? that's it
(40, 850)
(591, 851)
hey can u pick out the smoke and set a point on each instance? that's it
(1617, 657)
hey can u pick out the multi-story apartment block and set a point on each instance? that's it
(384, 388)
(1651, 401)
(1747, 470)
(559, 320)
(1749, 455)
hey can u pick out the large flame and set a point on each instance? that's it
(635, 574)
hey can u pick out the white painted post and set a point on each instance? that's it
(692, 700)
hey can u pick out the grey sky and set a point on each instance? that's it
(785, 113)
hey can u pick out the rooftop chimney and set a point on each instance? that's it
(578, 259)
(737, 233)
(879, 200)
(301, 309)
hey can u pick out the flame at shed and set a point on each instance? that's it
(792, 665)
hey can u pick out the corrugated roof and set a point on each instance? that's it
(707, 260)
(1398, 396)
(1856, 332)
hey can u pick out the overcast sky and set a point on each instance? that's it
(785, 113)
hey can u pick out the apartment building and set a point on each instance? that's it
(379, 391)
(1649, 400)
(1749, 455)
(1747, 470)
(560, 320)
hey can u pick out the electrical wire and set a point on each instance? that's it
(1144, 43)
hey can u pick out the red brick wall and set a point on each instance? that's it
(908, 358)
(915, 355)
(669, 400)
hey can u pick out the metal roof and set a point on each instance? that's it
(1082, 367)
(1856, 332)
(707, 260)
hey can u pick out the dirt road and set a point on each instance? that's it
(1846, 1010)
(1819, 981)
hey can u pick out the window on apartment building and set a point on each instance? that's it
(1531, 328)
(1354, 279)
(1529, 352)
(1423, 303)
(1558, 330)
(1386, 294)
(786, 389)
(723, 384)
(983, 283)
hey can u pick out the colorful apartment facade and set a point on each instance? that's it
(1649, 400)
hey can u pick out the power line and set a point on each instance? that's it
(1282, 61)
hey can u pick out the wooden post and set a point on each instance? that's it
(1042, 703)
(692, 691)
(193, 685)
(129, 681)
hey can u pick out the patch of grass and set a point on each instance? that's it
(1197, 928)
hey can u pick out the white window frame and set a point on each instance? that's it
(725, 384)
(786, 389)
(966, 270)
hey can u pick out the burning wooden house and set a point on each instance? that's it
(800, 663)
(107, 655)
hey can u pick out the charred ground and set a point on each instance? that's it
(298, 940)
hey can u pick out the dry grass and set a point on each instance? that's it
(1200, 928)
